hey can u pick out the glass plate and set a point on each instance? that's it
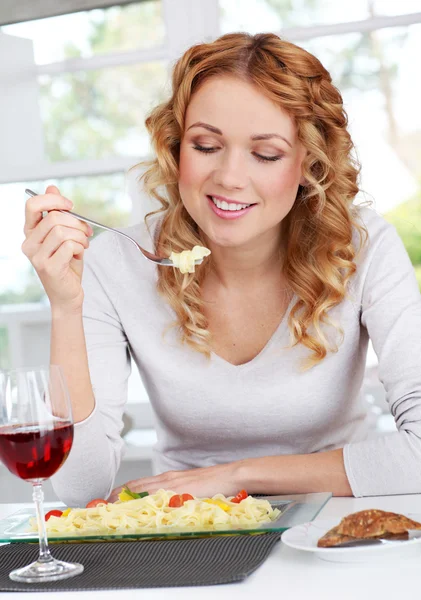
(295, 509)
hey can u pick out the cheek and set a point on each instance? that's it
(190, 173)
(283, 185)
(191, 181)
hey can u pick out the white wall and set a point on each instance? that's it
(21, 139)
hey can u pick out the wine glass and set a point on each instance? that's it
(36, 435)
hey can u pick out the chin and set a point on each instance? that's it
(228, 240)
(230, 234)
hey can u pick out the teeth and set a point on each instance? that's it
(228, 206)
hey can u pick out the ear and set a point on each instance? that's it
(303, 181)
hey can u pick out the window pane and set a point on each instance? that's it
(83, 34)
(103, 198)
(97, 114)
(376, 75)
(255, 16)
(391, 7)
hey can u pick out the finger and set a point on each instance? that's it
(52, 189)
(57, 219)
(155, 481)
(134, 486)
(113, 497)
(32, 243)
(116, 491)
(55, 238)
(36, 205)
(162, 483)
(60, 259)
(147, 484)
(151, 490)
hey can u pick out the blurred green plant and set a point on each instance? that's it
(100, 113)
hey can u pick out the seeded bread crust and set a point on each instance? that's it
(371, 523)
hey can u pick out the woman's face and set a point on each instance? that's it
(240, 163)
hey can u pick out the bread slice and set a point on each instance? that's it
(371, 523)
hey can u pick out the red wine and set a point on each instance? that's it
(33, 452)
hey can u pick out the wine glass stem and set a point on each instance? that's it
(38, 497)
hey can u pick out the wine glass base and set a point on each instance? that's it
(40, 572)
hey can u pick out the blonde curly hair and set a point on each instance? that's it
(320, 254)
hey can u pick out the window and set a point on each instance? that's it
(370, 48)
(256, 16)
(99, 113)
(88, 112)
(95, 32)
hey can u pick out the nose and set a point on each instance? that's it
(231, 172)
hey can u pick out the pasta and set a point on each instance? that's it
(152, 514)
(185, 260)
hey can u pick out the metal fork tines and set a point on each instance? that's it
(153, 257)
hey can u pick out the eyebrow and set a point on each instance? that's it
(257, 137)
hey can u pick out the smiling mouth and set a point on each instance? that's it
(229, 206)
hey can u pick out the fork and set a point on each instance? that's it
(166, 262)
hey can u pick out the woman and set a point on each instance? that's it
(258, 384)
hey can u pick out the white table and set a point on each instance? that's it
(290, 574)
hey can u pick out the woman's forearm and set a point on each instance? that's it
(296, 474)
(68, 349)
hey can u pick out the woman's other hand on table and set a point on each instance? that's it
(204, 482)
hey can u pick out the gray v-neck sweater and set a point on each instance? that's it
(210, 412)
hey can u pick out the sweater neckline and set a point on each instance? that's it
(277, 334)
(280, 329)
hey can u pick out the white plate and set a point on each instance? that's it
(305, 537)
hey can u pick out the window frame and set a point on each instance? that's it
(186, 22)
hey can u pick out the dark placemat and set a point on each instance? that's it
(168, 563)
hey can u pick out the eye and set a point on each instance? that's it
(204, 148)
(261, 158)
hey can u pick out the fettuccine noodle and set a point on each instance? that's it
(152, 514)
(185, 260)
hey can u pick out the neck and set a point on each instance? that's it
(242, 266)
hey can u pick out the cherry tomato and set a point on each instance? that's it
(186, 497)
(53, 513)
(240, 496)
(95, 502)
(175, 501)
(179, 499)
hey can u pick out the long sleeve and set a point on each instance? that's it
(391, 312)
(93, 462)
